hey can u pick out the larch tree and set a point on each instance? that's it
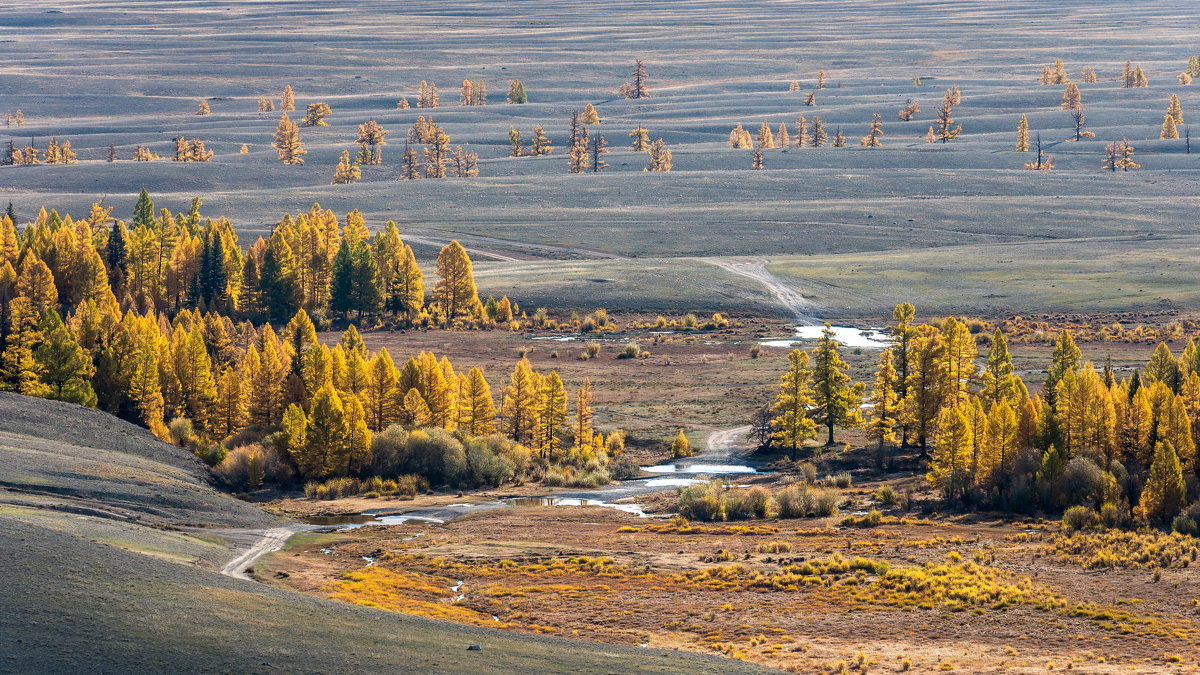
(946, 131)
(514, 140)
(999, 381)
(346, 172)
(791, 420)
(540, 143)
(1072, 98)
(437, 154)
(874, 132)
(836, 398)
(287, 142)
(519, 407)
(516, 92)
(315, 114)
(660, 157)
(1079, 119)
(757, 162)
(909, 111)
(819, 136)
(636, 87)
(582, 431)
(477, 410)
(783, 140)
(455, 289)
(1165, 492)
(1043, 161)
(839, 139)
(590, 116)
(949, 468)
(765, 138)
(1089, 75)
(410, 165)
(811, 99)
(1023, 134)
(641, 140)
(821, 79)
(596, 152)
(380, 396)
(802, 136)
(1170, 129)
(66, 368)
(20, 371)
(883, 421)
(551, 417)
(287, 102)
(371, 136)
(680, 446)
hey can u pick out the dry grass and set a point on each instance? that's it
(1127, 550)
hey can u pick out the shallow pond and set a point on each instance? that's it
(847, 336)
(685, 467)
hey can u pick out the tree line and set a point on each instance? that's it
(1123, 446)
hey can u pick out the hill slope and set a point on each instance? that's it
(99, 577)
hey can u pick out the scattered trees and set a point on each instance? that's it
(371, 137)
(909, 111)
(315, 114)
(636, 87)
(346, 172)
(1022, 134)
(516, 92)
(287, 142)
(871, 140)
(1118, 156)
(660, 157)
(946, 132)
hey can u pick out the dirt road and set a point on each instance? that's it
(756, 269)
(267, 541)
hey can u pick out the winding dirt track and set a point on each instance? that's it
(269, 540)
(756, 269)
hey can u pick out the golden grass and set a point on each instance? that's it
(1117, 549)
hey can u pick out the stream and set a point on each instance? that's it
(720, 451)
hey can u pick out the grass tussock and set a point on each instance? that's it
(1118, 549)
(680, 525)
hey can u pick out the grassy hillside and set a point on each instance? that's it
(101, 575)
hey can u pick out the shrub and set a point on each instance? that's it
(755, 351)
(389, 451)
(1184, 524)
(591, 351)
(701, 502)
(775, 547)
(1079, 518)
(873, 519)
(623, 469)
(803, 501)
(244, 467)
(886, 496)
(181, 430)
(631, 351)
(808, 471)
(753, 503)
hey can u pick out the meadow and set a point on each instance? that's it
(711, 66)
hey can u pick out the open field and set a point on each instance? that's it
(1009, 602)
(712, 65)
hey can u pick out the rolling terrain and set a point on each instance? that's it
(110, 546)
(712, 65)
